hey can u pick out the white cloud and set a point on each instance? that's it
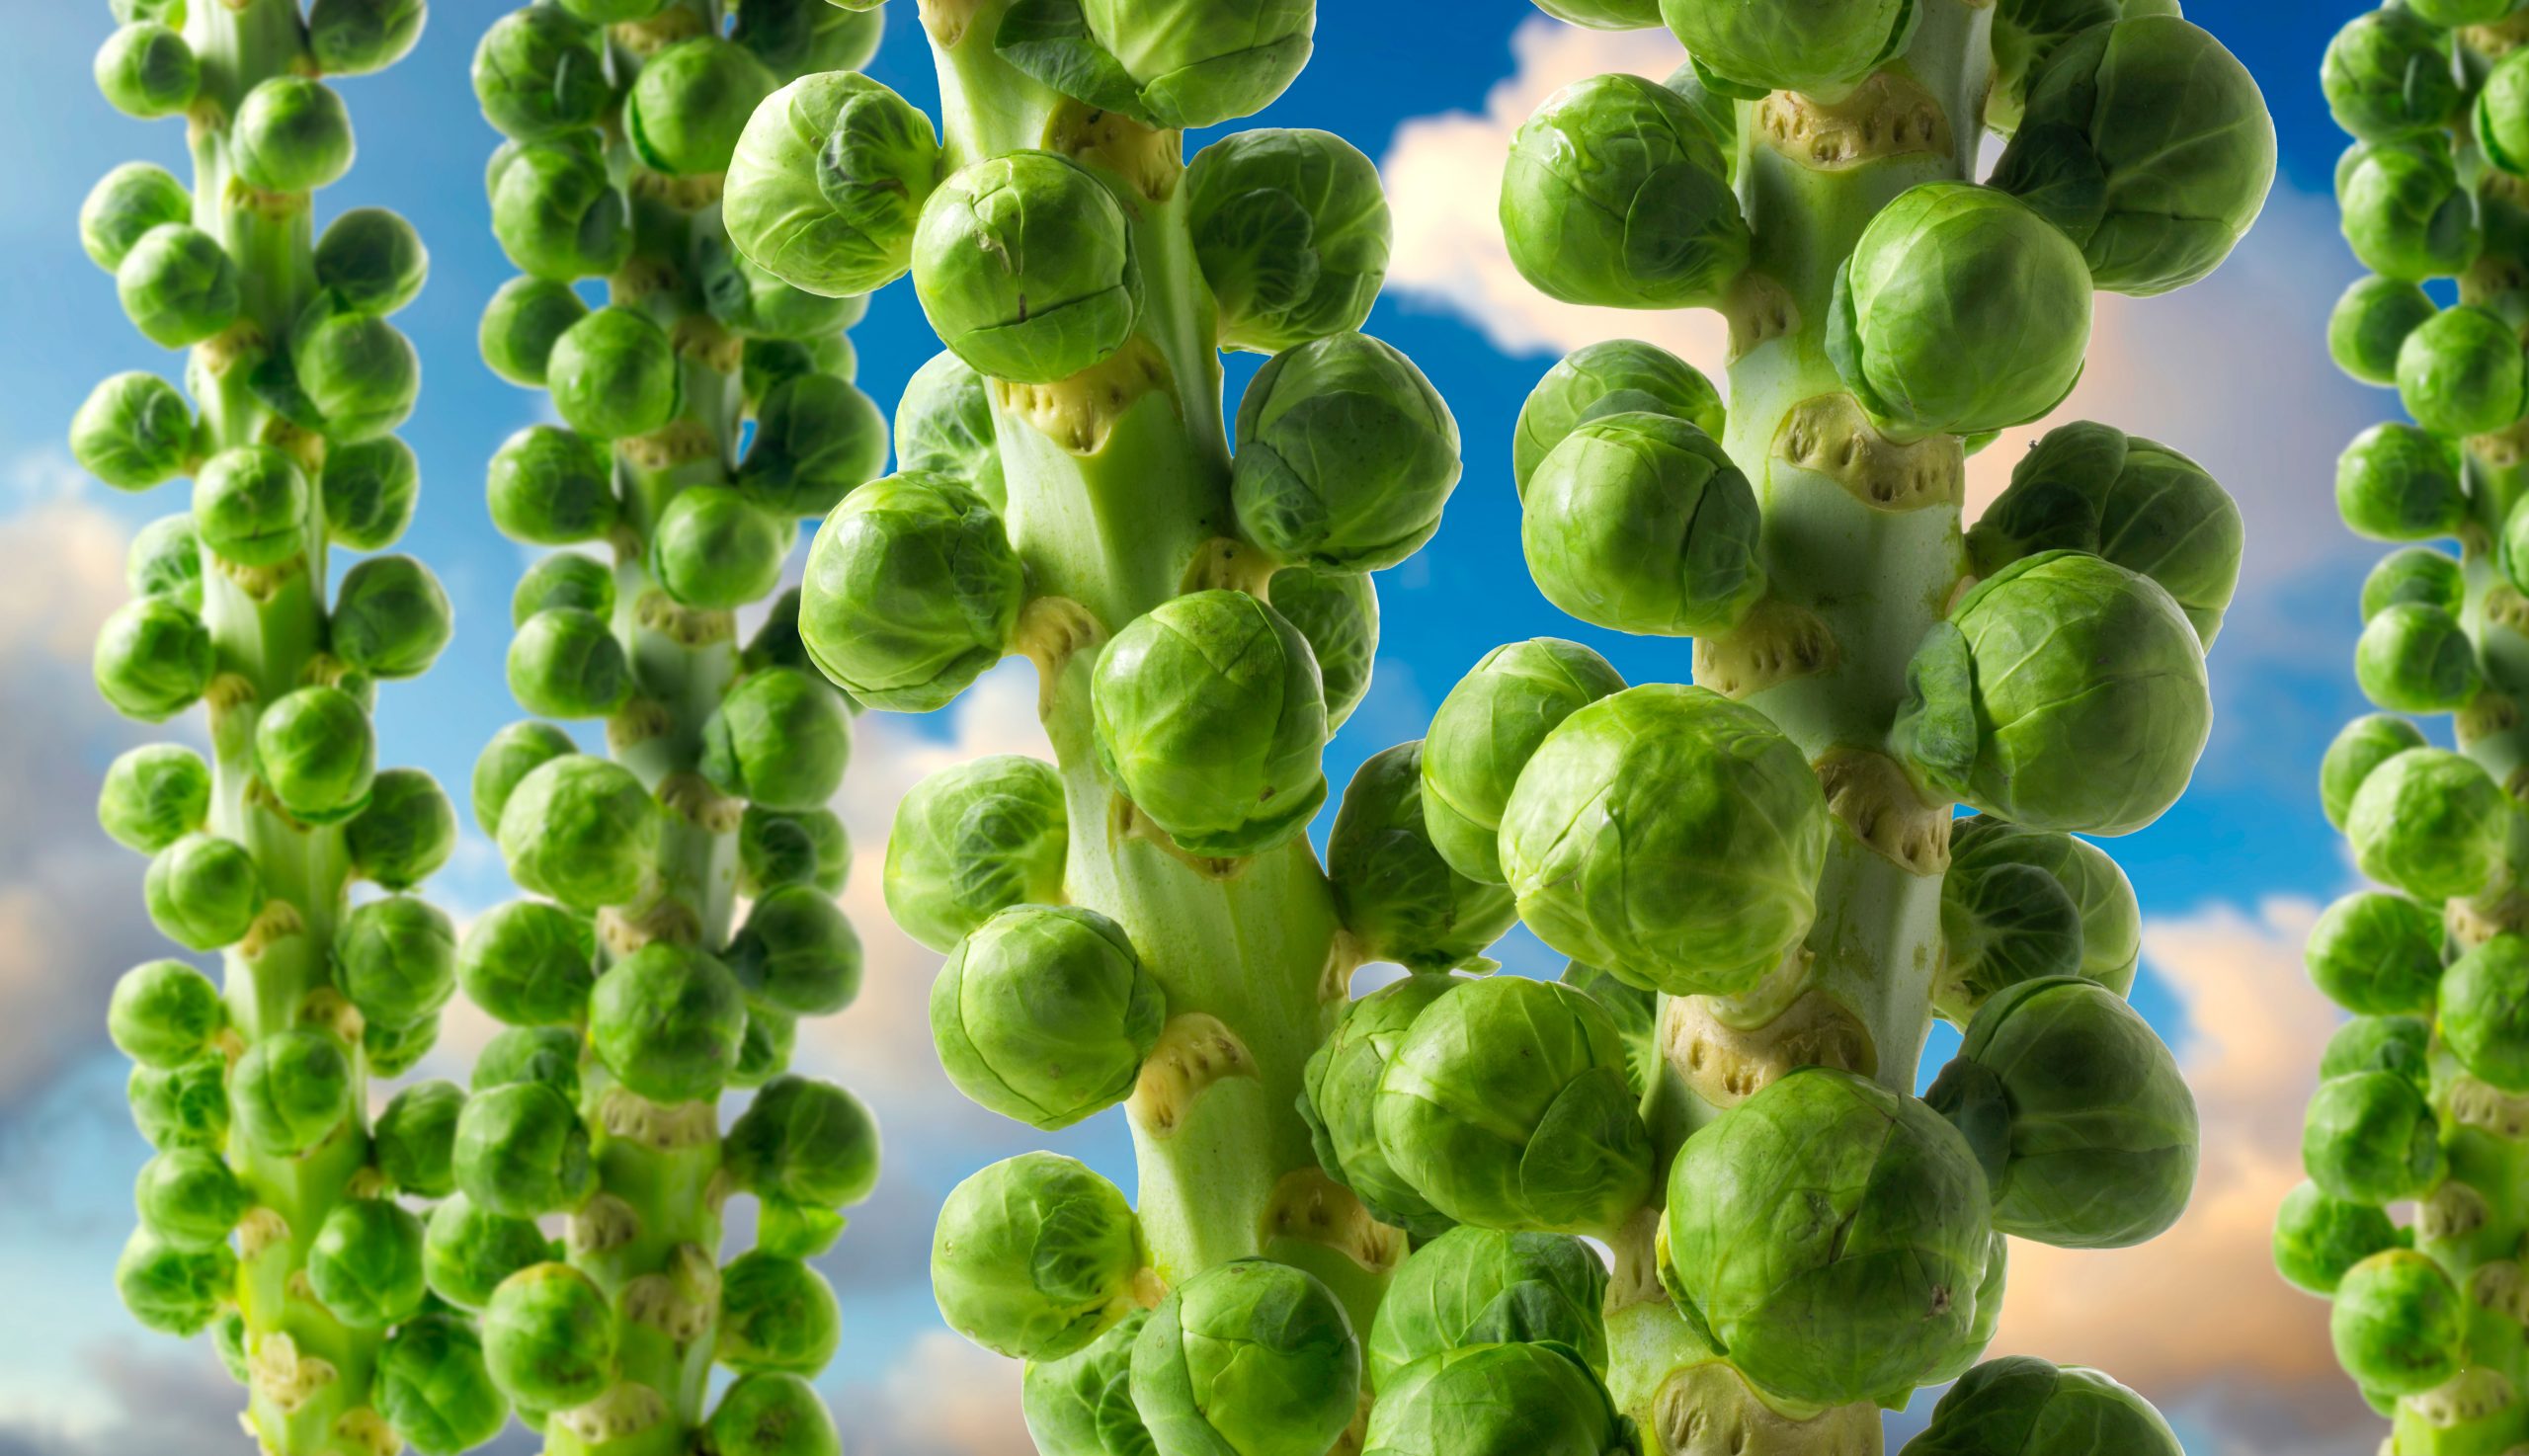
(943, 1398)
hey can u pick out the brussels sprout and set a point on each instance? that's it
(1616, 195)
(764, 309)
(770, 1413)
(433, 1386)
(1915, 354)
(165, 562)
(944, 426)
(1155, 62)
(540, 72)
(1291, 233)
(547, 1055)
(2481, 1010)
(1251, 1356)
(125, 207)
(250, 506)
(828, 184)
(614, 12)
(521, 323)
(1044, 1014)
(1210, 718)
(203, 892)
(1034, 1256)
(1346, 456)
(522, 1152)
(1505, 1105)
(2387, 74)
(189, 1199)
(393, 1051)
(557, 212)
(164, 1013)
(806, 1143)
(2023, 1406)
(178, 286)
(1615, 377)
(817, 438)
(1640, 522)
(912, 591)
(357, 373)
(613, 374)
(183, 1107)
(1338, 613)
(291, 134)
(153, 796)
(467, 1251)
(778, 850)
(2019, 903)
(2406, 215)
(565, 663)
(2397, 483)
(353, 37)
(2063, 693)
(2420, 575)
(2026, 35)
(1670, 836)
(146, 71)
(365, 1264)
(171, 1290)
(2370, 1138)
(1863, 1295)
(2416, 659)
(134, 432)
(372, 261)
(1339, 1101)
(367, 489)
(563, 581)
(548, 1337)
(1396, 897)
(798, 954)
(392, 618)
(1636, 1014)
(512, 753)
(2461, 373)
(1497, 1400)
(1822, 48)
(2500, 119)
(2377, 954)
(1082, 1405)
(1025, 265)
(415, 1140)
(550, 487)
(2400, 1044)
(665, 1020)
(1486, 731)
(2318, 1238)
(2429, 822)
(778, 738)
(291, 1090)
(973, 840)
(1478, 1287)
(805, 36)
(713, 549)
(2399, 1326)
(775, 1314)
(1604, 14)
(2371, 323)
(581, 830)
(395, 959)
(689, 102)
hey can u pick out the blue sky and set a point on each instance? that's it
(2232, 371)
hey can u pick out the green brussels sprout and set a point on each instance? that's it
(166, 561)
(250, 506)
(203, 892)
(522, 1151)
(2370, 1138)
(392, 618)
(764, 309)
(713, 549)
(1615, 377)
(357, 373)
(183, 1107)
(1024, 266)
(1210, 718)
(557, 210)
(817, 438)
(1337, 613)
(133, 432)
(2420, 575)
(2019, 903)
(2388, 75)
(393, 1051)
(2088, 486)
(515, 751)
(146, 71)
(2416, 659)
(563, 580)
(1346, 456)
(1339, 1099)
(2451, 15)
(1604, 14)
(666, 1020)
(565, 663)
(1915, 354)
(2406, 215)
(614, 12)
(2461, 373)
(372, 261)
(973, 840)
(2025, 1407)
(549, 1055)
(1394, 893)
(1821, 48)
(2318, 1238)
(2500, 119)
(1034, 1256)
(777, 1315)
(1044, 1014)
(944, 426)
(291, 1090)
(189, 1199)
(1250, 1356)
(292, 133)
(164, 1013)
(2481, 1011)
(1484, 732)
(550, 487)
(125, 207)
(1636, 1012)
(1155, 63)
(1616, 195)
(433, 1386)
(1478, 1287)
(229, 1340)
(153, 796)
(791, 849)
(521, 325)
(1291, 233)
(2149, 145)
(803, 35)
(171, 1290)
(805, 1143)
(2026, 35)
(1670, 836)
(395, 959)
(178, 286)
(2429, 822)
(689, 102)
(548, 1337)
(772, 1414)
(828, 184)
(2063, 693)
(2399, 1326)
(365, 1264)
(1505, 1105)
(613, 374)
(1082, 1405)
(1640, 522)
(912, 591)
(1860, 1298)
(2370, 324)
(2397, 483)
(2400, 1044)
(540, 72)
(1513, 1399)
(778, 738)
(798, 953)
(582, 830)
(468, 1249)
(368, 489)
(353, 37)
(414, 1142)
